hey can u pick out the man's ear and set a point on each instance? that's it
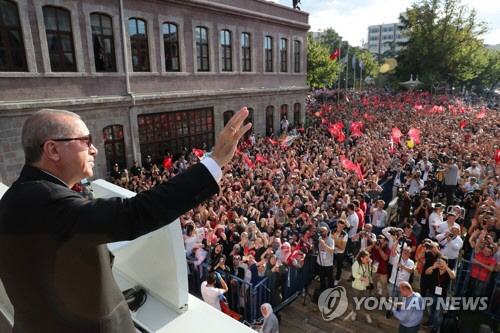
(52, 151)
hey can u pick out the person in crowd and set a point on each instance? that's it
(440, 277)
(426, 257)
(325, 259)
(451, 180)
(379, 217)
(271, 323)
(483, 264)
(411, 312)
(339, 236)
(380, 254)
(402, 268)
(435, 219)
(452, 244)
(210, 294)
(362, 271)
(366, 237)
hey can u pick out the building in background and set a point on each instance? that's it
(149, 77)
(385, 37)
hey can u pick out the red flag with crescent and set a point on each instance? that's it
(396, 134)
(414, 133)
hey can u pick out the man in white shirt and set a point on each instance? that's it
(448, 224)
(379, 218)
(471, 185)
(353, 220)
(366, 236)
(211, 294)
(435, 219)
(402, 268)
(422, 164)
(452, 244)
(474, 170)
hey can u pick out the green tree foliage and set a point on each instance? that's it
(321, 71)
(333, 41)
(443, 42)
(370, 64)
(489, 78)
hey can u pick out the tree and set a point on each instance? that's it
(489, 77)
(333, 41)
(443, 41)
(321, 71)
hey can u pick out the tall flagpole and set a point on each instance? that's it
(347, 71)
(338, 85)
(354, 79)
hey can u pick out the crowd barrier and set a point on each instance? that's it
(245, 298)
(463, 287)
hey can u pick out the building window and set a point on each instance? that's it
(283, 55)
(296, 57)
(246, 58)
(225, 49)
(201, 37)
(12, 55)
(268, 50)
(171, 46)
(114, 146)
(59, 39)
(296, 114)
(283, 111)
(227, 116)
(269, 120)
(102, 38)
(373, 30)
(170, 132)
(139, 45)
(249, 119)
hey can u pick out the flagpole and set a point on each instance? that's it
(354, 78)
(338, 85)
(347, 71)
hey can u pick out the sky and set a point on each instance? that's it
(352, 18)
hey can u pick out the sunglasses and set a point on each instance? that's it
(86, 139)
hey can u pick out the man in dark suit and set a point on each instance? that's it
(54, 262)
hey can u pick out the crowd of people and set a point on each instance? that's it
(325, 188)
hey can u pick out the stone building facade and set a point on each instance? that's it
(148, 76)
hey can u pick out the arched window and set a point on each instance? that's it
(102, 38)
(139, 45)
(246, 54)
(202, 59)
(283, 55)
(296, 114)
(249, 119)
(114, 146)
(225, 49)
(296, 59)
(227, 115)
(269, 120)
(12, 55)
(59, 39)
(283, 111)
(171, 45)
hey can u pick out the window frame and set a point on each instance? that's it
(169, 46)
(226, 50)
(110, 37)
(296, 60)
(268, 54)
(4, 31)
(58, 33)
(135, 43)
(283, 55)
(199, 50)
(246, 52)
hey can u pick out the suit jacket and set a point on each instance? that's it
(402, 177)
(54, 262)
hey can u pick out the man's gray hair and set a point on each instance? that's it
(41, 126)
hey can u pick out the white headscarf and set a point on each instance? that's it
(268, 308)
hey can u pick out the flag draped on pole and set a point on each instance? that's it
(346, 61)
(335, 54)
(414, 133)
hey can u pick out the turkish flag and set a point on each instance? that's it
(360, 174)
(356, 128)
(198, 152)
(351, 166)
(396, 134)
(274, 142)
(335, 54)
(497, 156)
(259, 158)
(248, 161)
(167, 162)
(481, 115)
(463, 124)
(414, 133)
